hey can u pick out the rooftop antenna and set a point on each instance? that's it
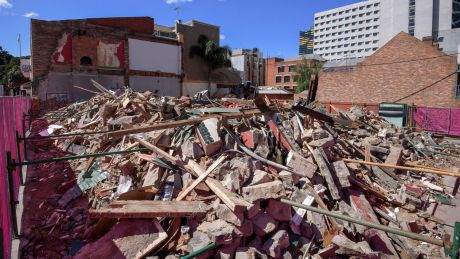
(177, 8)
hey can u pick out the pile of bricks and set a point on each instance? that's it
(211, 176)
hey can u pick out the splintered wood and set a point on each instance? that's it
(212, 173)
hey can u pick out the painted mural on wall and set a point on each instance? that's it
(63, 53)
(110, 55)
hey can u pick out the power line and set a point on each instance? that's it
(395, 62)
(426, 87)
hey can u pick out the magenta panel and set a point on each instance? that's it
(11, 112)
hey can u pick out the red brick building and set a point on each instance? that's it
(405, 70)
(119, 52)
(281, 73)
(116, 52)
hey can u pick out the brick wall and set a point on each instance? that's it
(137, 24)
(401, 67)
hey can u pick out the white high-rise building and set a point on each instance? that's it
(358, 30)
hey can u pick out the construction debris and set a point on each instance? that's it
(200, 173)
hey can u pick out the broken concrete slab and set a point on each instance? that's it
(300, 165)
(273, 190)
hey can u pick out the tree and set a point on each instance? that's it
(304, 71)
(10, 70)
(214, 56)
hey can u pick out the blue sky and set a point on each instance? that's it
(270, 25)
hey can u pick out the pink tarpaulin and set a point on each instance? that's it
(12, 110)
(443, 120)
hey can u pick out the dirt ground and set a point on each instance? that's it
(48, 230)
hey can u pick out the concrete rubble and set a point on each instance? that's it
(210, 175)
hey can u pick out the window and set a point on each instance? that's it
(294, 79)
(286, 87)
(287, 79)
(455, 14)
(374, 49)
(86, 61)
(281, 69)
(278, 79)
(292, 68)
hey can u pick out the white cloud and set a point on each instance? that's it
(30, 15)
(5, 4)
(174, 1)
(222, 37)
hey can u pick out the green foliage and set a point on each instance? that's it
(214, 56)
(304, 71)
(10, 70)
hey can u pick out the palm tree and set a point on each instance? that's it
(304, 71)
(214, 56)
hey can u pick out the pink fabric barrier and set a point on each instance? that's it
(443, 120)
(12, 110)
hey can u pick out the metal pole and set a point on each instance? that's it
(200, 251)
(18, 151)
(64, 158)
(67, 135)
(24, 143)
(10, 170)
(396, 231)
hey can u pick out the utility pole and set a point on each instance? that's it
(20, 48)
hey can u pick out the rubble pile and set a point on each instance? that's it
(213, 173)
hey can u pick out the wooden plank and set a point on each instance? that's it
(412, 169)
(211, 168)
(159, 126)
(342, 172)
(367, 152)
(159, 151)
(87, 90)
(102, 89)
(150, 209)
(324, 169)
(180, 123)
(230, 199)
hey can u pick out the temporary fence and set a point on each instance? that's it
(12, 114)
(441, 120)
